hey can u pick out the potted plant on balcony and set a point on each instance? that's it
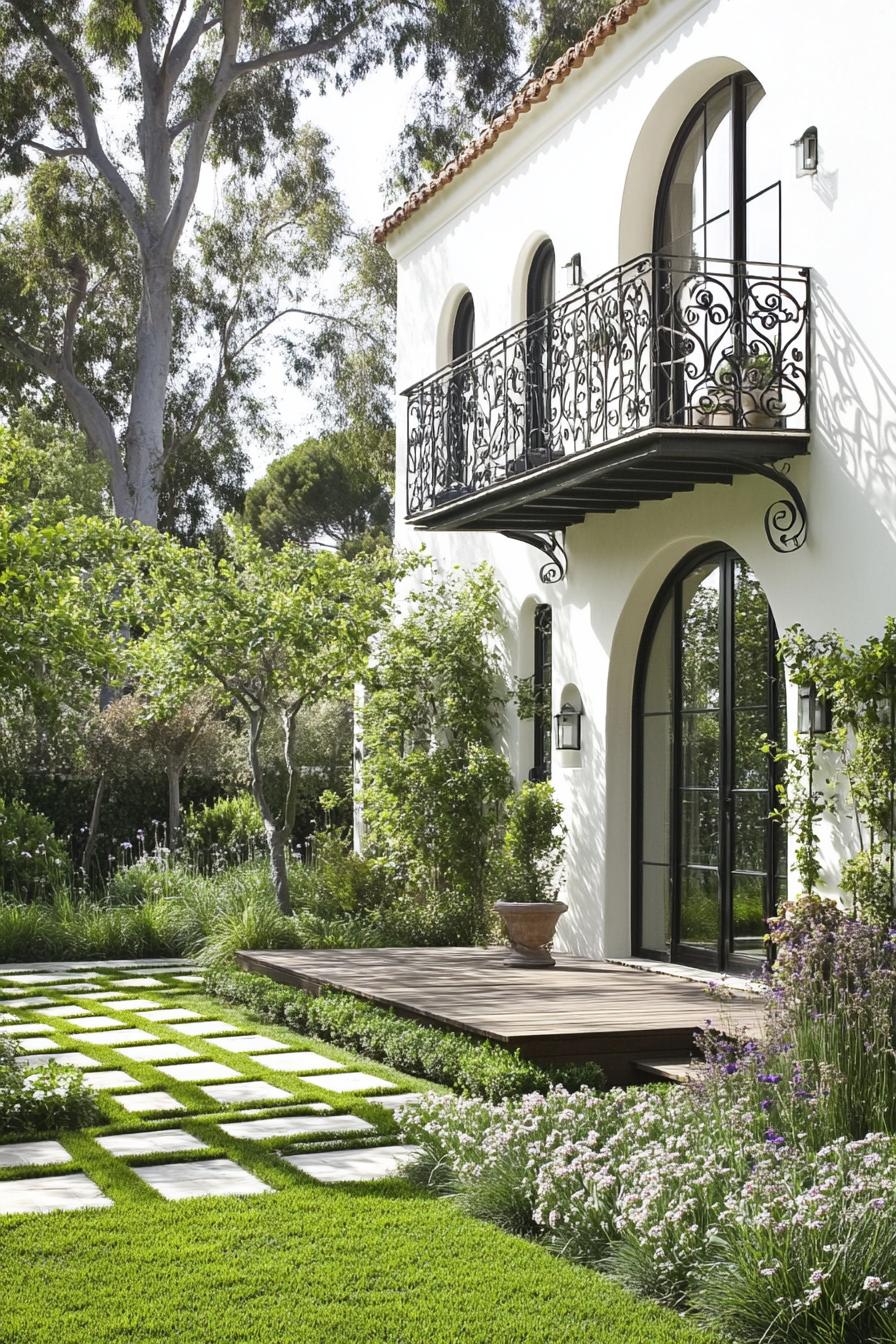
(527, 874)
(739, 385)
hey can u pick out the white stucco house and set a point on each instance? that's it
(646, 361)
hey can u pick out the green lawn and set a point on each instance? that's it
(375, 1263)
(308, 1264)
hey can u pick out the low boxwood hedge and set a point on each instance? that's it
(479, 1068)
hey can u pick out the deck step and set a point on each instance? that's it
(677, 1070)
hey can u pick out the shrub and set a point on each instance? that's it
(478, 1067)
(228, 827)
(32, 861)
(45, 1100)
(528, 869)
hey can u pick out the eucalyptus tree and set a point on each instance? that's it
(109, 111)
(269, 633)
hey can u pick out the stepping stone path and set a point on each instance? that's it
(79, 1003)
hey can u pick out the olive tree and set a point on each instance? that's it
(269, 633)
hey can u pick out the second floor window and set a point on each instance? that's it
(539, 297)
(541, 685)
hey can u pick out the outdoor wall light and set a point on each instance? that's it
(813, 711)
(568, 728)
(807, 152)
(573, 269)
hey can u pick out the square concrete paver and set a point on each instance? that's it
(131, 1005)
(127, 1036)
(22, 1029)
(66, 1010)
(151, 1054)
(72, 1059)
(190, 979)
(234, 1094)
(144, 1103)
(150, 1141)
(45, 1194)
(354, 1164)
(189, 1180)
(109, 1078)
(97, 1022)
(350, 1082)
(244, 1045)
(59, 978)
(396, 1102)
(79, 988)
(284, 1126)
(41, 1153)
(34, 1001)
(169, 1015)
(297, 1061)
(37, 1043)
(97, 995)
(203, 1028)
(140, 982)
(207, 1071)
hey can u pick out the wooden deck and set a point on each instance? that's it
(579, 1010)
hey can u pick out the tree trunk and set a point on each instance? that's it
(144, 439)
(277, 842)
(172, 770)
(93, 829)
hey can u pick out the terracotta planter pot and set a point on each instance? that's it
(530, 927)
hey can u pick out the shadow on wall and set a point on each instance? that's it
(855, 407)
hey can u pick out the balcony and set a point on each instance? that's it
(663, 374)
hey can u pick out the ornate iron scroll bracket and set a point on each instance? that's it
(786, 520)
(551, 544)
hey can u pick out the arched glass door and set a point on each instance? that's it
(539, 297)
(461, 397)
(710, 864)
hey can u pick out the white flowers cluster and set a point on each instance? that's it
(40, 1099)
(645, 1183)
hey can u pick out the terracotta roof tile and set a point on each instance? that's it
(536, 91)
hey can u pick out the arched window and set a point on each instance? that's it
(539, 297)
(710, 864)
(715, 199)
(463, 334)
(461, 399)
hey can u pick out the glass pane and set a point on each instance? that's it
(700, 908)
(749, 831)
(750, 763)
(656, 908)
(700, 638)
(700, 750)
(718, 161)
(684, 199)
(658, 675)
(699, 826)
(750, 638)
(748, 926)
(657, 776)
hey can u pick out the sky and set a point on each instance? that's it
(363, 125)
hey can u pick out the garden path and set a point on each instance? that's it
(174, 1083)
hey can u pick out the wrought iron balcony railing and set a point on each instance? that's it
(659, 343)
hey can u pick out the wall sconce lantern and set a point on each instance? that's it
(813, 711)
(568, 728)
(807, 152)
(573, 269)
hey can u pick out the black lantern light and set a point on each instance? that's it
(813, 711)
(807, 152)
(568, 728)
(573, 269)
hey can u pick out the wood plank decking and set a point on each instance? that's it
(578, 1010)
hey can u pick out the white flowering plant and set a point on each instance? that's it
(41, 1100)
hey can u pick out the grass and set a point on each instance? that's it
(377, 1263)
